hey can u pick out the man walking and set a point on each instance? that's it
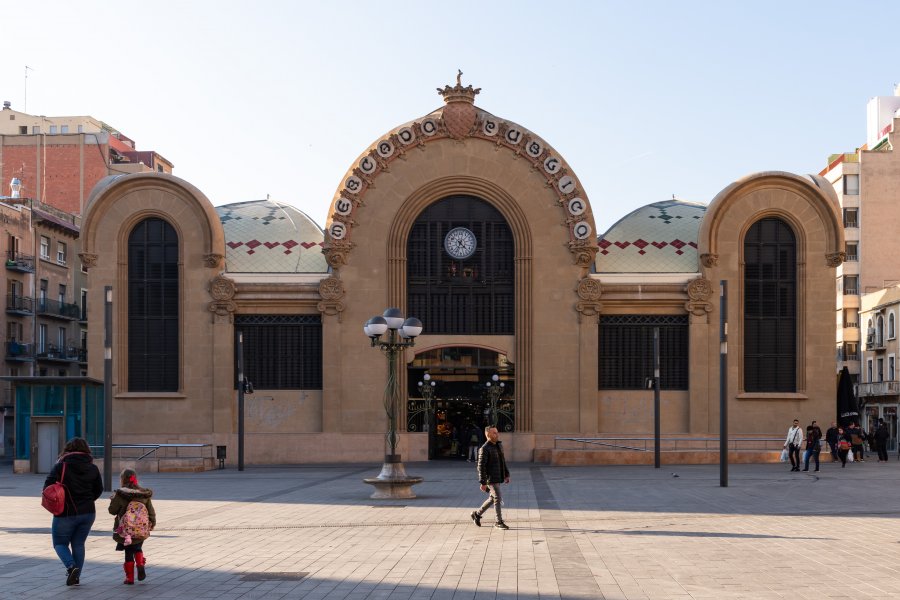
(831, 436)
(492, 472)
(813, 435)
(881, 439)
(792, 443)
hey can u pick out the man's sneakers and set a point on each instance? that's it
(72, 574)
(476, 518)
(500, 525)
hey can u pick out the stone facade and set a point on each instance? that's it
(559, 298)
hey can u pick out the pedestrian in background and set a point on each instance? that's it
(831, 436)
(492, 472)
(857, 439)
(813, 439)
(792, 443)
(76, 470)
(881, 439)
(843, 446)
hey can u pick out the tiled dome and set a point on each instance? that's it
(657, 238)
(262, 236)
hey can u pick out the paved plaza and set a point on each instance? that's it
(575, 532)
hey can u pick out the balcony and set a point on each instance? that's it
(19, 305)
(58, 310)
(19, 352)
(874, 341)
(69, 354)
(21, 263)
(878, 388)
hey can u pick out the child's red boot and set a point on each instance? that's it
(139, 562)
(129, 573)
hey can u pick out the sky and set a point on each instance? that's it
(644, 100)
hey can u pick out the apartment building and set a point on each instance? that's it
(58, 160)
(879, 390)
(50, 165)
(45, 326)
(865, 181)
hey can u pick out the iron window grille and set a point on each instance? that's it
(462, 297)
(770, 307)
(626, 351)
(281, 352)
(153, 298)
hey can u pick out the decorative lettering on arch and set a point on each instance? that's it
(503, 133)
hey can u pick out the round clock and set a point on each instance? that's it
(460, 243)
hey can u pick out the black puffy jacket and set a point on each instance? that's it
(83, 483)
(491, 463)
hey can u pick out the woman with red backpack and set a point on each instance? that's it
(76, 472)
(135, 518)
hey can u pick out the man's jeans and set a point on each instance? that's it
(807, 454)
(495, 500)
(71, 531)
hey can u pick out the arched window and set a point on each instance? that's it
(153, 329)
(464, 285)
(879, 332)
(892, 331)
(770, 307)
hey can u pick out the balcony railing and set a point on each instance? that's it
(19, 352)
(57, 309)
(67, 354)
(19, 305)
(23, 263)
(851, 325)
(853, 357)
(879, 388)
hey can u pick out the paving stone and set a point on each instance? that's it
(575, 532)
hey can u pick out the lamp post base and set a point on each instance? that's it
(393, 482)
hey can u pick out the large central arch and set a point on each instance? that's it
(524, 271)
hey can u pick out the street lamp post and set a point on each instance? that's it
(426, 388)
(392, 482)
(494, 390)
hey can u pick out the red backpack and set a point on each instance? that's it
(53, 498)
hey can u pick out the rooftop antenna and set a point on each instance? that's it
(25, 103)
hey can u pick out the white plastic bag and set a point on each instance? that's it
(784, 455)
(850, 456)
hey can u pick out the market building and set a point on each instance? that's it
(480, 228)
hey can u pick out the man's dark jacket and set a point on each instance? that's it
(491, 463)
(83, 483)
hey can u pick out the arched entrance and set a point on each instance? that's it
(462, 401)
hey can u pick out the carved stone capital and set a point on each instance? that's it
(709, 260)
(699, 291)
(212, 260)
(589, 289)
(88, 259)
(588, 309)
(223, 308)
(331, 308)
(835, 259)
(583, 251)
(337, 253)
(221, 288)
(331, 288)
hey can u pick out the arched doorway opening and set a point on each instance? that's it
(461, 406)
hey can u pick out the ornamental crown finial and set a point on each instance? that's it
(458, 93)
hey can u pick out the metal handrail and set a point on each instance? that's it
(153, 448)
(610, 442)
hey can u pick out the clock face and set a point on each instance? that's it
(460, 243)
